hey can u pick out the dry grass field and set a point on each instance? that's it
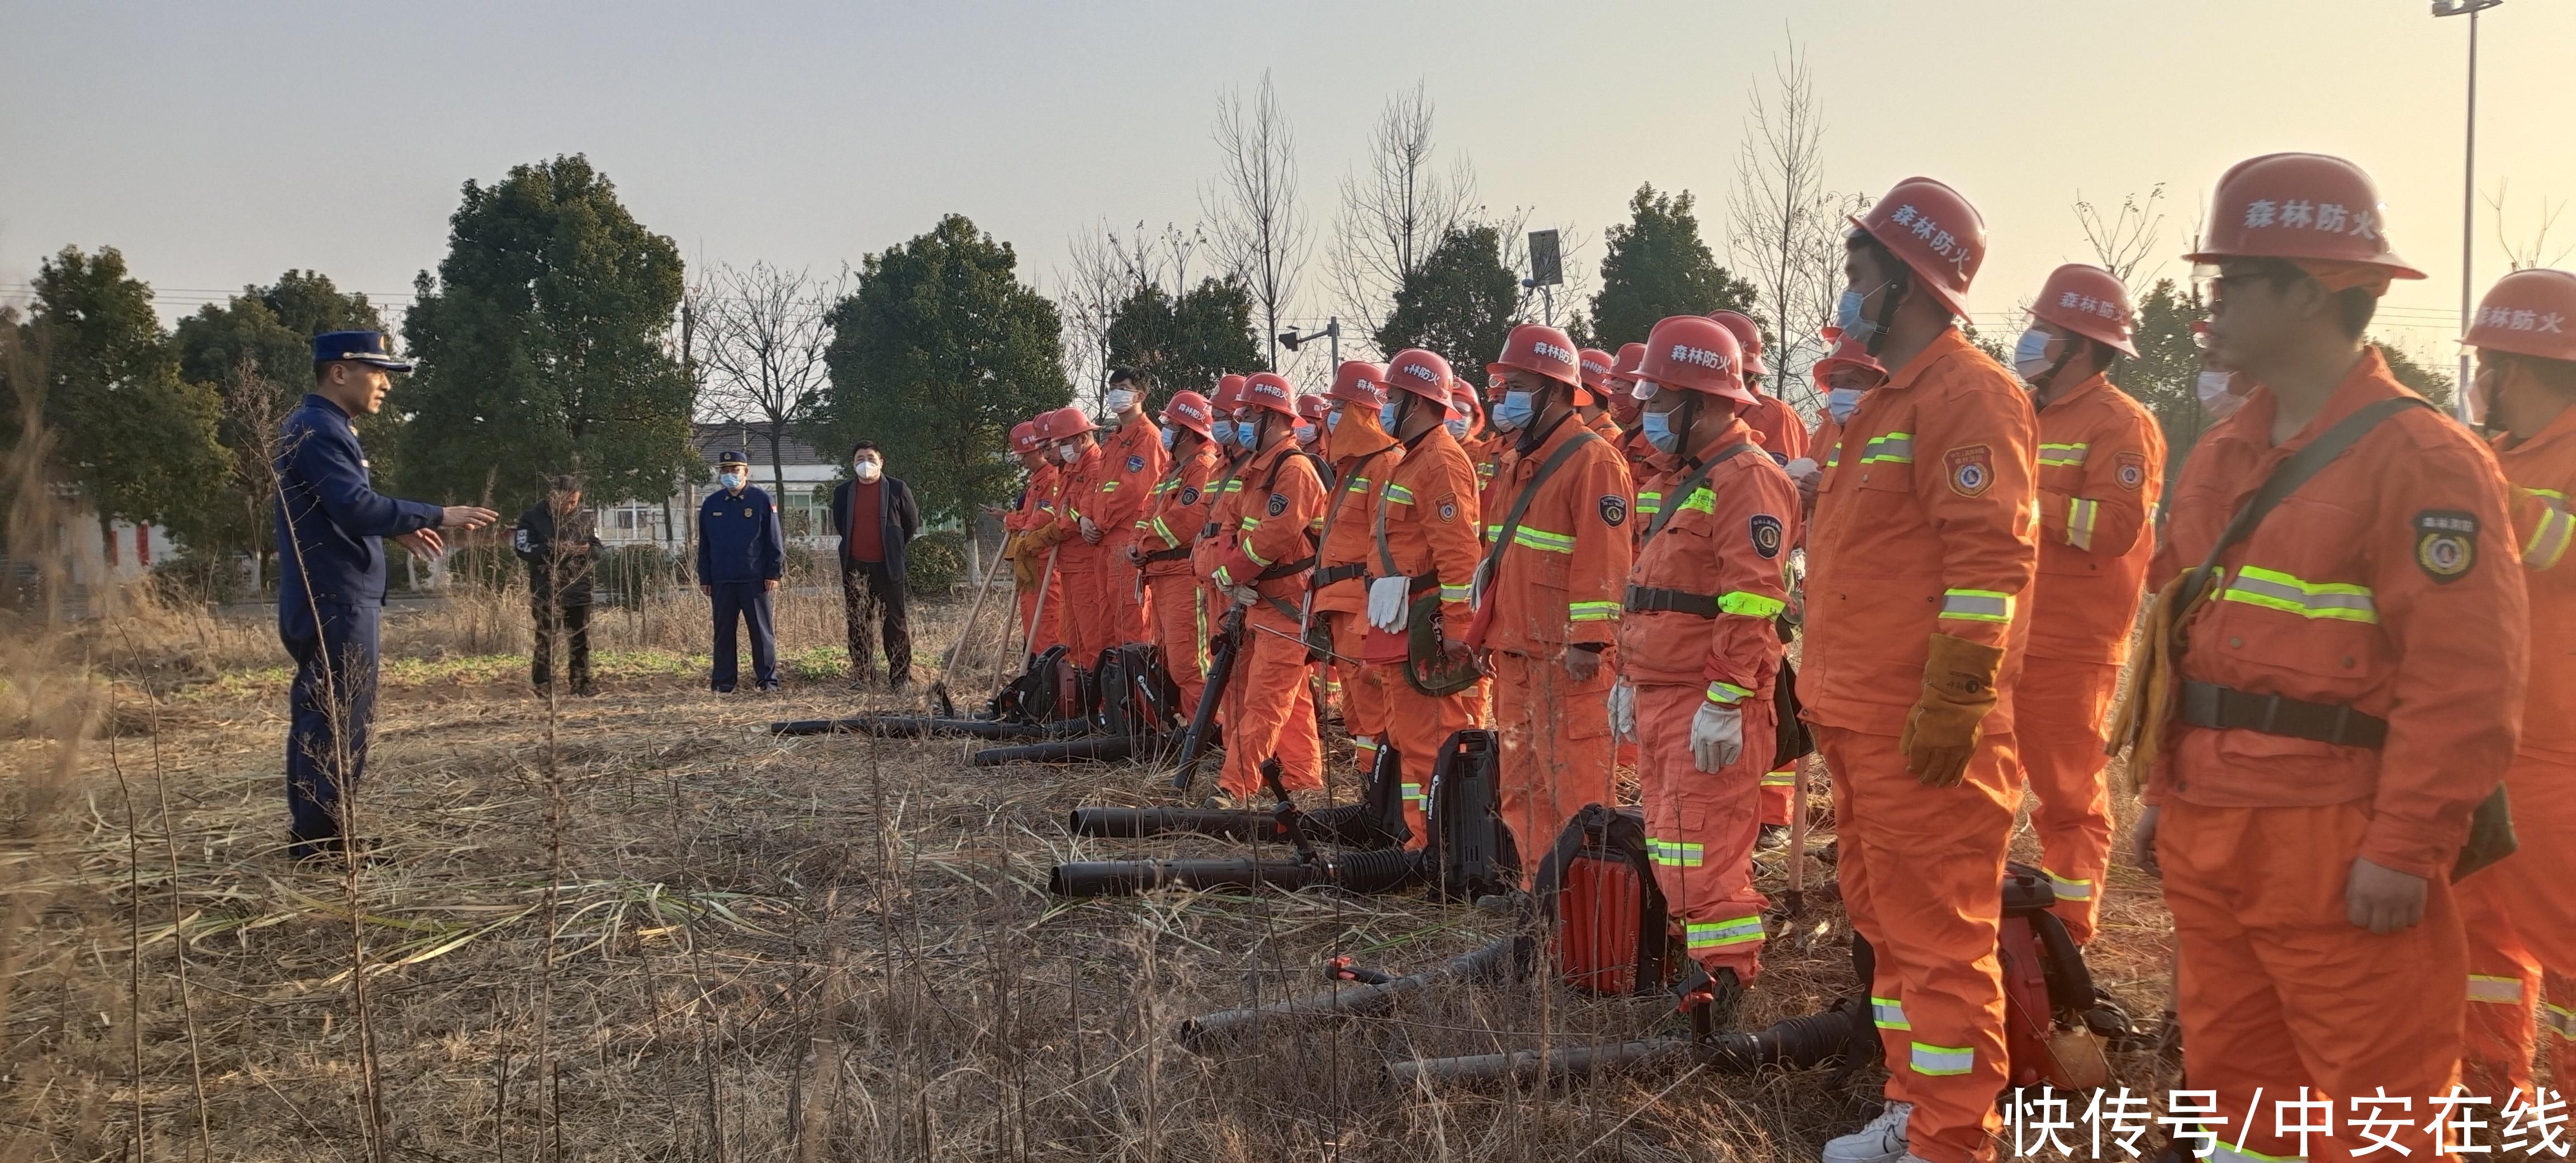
(638, 927)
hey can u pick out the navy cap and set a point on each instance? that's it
(731, 456)
(360, 346)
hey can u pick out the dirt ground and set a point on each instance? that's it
(639, 927)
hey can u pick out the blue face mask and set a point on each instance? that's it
(1842, 402)
(1222, 431)
(730, 480)
(1516, 411)
(1305, 434)
(1247, 433)
(1847, 316)
(1659, 432)
(1333, 420)
(2030, 355)
(1388, 414)
(1170, 437)
(1457, 426)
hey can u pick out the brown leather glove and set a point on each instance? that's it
(1958, 690)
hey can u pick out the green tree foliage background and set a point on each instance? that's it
(1655, 266)
(137, 440)
(542, 348)
(939, 350)
(1459, 303)
(1185, 342)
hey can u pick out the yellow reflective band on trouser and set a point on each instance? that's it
(1785, 777)
(1749, 605)
(2062, 454)
(1712, 935)
(2549, 539)
(2560, 1019)
(1893, 448)
(2498, 990)
(1675, 853)
(1541, 540)
(1363, 743)
(2220, 1152)
(1592, 611)
(1726, 694)
(2272, 589)
(1199, 640)
(1943, 1060)
(2079, 521)
(1413, 794)
(1886, 1014)
(1976, 605)
(2067, 889)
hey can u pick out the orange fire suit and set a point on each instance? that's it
(1698, 630)
(1554, 586)
(1780, 785)
(1428, 514)
(1267, 527)
(2101, 464)
(1030, 574)
(2521, 914)
(2385, 586)
(1925, 526)
(1164, 536)
(1364, 455)
(1782, 433)
(1077, 562)
(1133, 460)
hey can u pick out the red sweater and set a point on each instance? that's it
(864, 540)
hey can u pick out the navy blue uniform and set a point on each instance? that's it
(330, 599)
(739, 548)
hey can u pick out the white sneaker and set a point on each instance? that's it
(1882, 1141)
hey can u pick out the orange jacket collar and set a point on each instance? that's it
(1737, 432)
(2369, 381)
(2095, 383)
(2561, 428)
(1943, 346)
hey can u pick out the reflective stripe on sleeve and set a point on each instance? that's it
(1726, 694)
(2060, 455)
(1701, 500)
(2499, 990)
(1166, 532)
(2272, 589)
(2548, 543)
(1249, 553)
(1456, 593)
(1943, 1060)
(1976, 605)
(1398, 494)
(1541, 540)
(2067, 888)
(1887, 1014)
(1223, 580)
(1699, 935)
(2080, 514)
(1893, 448)
(1649, 504)
(1592, 611)
(1749, 605)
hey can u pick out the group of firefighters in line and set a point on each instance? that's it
(1607, 550)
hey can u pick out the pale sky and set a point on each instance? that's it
(220, 144)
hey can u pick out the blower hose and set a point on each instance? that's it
(1107, 749)
(917, 726)
(1360, 872)
(1370, 992)
(1806, 1041)
(1349, 825)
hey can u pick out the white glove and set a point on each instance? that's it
(1244, 595)
(1623, 711)
(1717, 736)
(1389, 602)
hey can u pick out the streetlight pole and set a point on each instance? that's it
(2468, 193)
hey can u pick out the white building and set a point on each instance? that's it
(804, 503)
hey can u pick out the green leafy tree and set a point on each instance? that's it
(253, 354)
(939, 350)
(2422, 380)
(136, 439)
(1657, 266)
(2166, 375)
(542, 345)
(1185, 342)
(1458, 303)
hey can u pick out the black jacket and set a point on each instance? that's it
(544, 544)
(898, 520)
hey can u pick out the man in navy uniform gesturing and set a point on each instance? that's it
(740, 555)
(331, 523)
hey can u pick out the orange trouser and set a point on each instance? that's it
(2278, 990)
(1128, 616)
(2520, 918)
(1181, 629)
(1555, 735)
(1050, 627)
(1778, 785)
(1364, 699)
(1417, 725)
(2060, 710)
(1086, 602)
(1919, 870)
(1700, 827)
(1270, 711)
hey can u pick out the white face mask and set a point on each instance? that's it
(1068, 453)
(1842, 402)
(1119, 400)
(2212, 389)
(2030, 356)
(865, 470)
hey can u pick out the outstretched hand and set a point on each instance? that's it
(466, 517)
(423, 543)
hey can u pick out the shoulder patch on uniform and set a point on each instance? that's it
(2446, 544)
(1448, 507)
(1971, 469)
(2130, 469)
(1189, 496)
(1278, 503)
(1135, 463)
(1766, 534)
(1614, 509)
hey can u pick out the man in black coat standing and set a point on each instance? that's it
(875, 516)
(556, 538)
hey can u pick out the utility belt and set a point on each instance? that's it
(1159, 556)
(1336, 574)
(1656, 599)
(2207, 704)
(1285, 568)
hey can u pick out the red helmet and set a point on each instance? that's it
(1359, 383)
(1849, 354)
(2088, 301)
(1189, 410)
(1024, 437)
(1748, 340)
(2299, 206)
(1462, 402)
(1312, 407)
(1934, 231)
(1421, 373)
(1065, 422)
(1269, 390)
(1229, 394)
(2530, 312)
(1695, 353)
(1597, 367)
(1540, 350)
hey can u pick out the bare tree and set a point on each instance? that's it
(2123, 239)
(762, 335)
(2533, 252)
(1786, 233)
(1106, 268)
(1396, 213)
(1254, 221)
